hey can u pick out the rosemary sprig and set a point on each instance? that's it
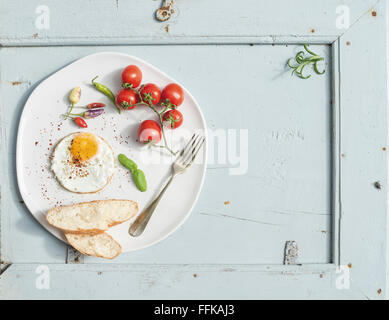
(302, 61)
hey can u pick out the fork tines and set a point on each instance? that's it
(189, 152)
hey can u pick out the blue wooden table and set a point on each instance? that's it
(314, 170)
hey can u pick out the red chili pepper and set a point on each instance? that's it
(80, 122)
(95, 105)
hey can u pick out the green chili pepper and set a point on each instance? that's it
(137, 174)
(140, 180)
(105, 90)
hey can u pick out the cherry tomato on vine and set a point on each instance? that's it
(172, 95)
(172, 119)
(126, 99)
(150, 92)
(131, 77)
(149, 131)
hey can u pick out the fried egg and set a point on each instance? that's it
(83, 162)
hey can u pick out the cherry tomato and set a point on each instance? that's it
(172, 95)
(172, 118)
(151, 92)
(149, 131)
(126, 99)
(131, 77)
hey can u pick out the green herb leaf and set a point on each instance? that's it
(302, 61)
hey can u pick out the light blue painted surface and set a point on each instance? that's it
(285, 189)
(286, 194)
(177, 282)
(128, 22)
(363, 114)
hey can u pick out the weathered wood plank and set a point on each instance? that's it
(284, 195)
(364, 160)
(172, 282)
(336, 154)
(103, 22)
(361, 122)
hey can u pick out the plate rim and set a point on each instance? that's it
(20, 129)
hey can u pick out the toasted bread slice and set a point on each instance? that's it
(91, 217)
(100, 245)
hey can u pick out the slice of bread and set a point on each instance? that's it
(91, 217)
(100, 245)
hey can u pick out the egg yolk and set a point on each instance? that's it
(84, 146)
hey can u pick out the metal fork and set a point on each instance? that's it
(183, 161)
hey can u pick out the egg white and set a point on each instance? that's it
(96, 172)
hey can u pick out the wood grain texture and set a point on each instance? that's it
(319, 149)
(285, 195)
(175, 282)
(103, 22)
(363, 131)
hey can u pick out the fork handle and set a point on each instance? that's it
(141, 221)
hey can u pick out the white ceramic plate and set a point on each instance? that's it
(41, 127)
